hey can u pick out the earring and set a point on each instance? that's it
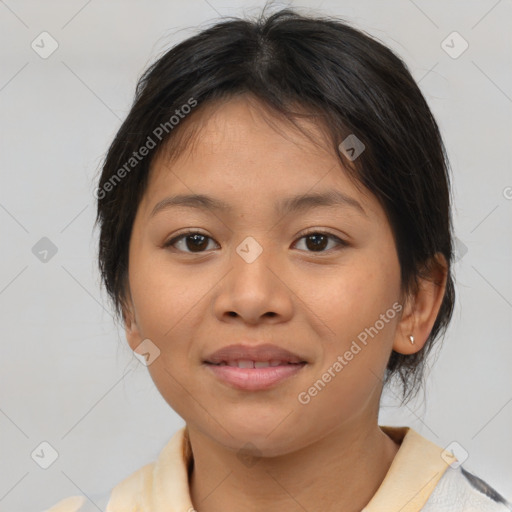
(411, 339)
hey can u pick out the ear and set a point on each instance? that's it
(422, 307)
(130, 323)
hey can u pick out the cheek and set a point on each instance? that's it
(358, 294)
(164, 296)
(166, 303)
(361, 309)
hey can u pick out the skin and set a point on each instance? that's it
(329, 454)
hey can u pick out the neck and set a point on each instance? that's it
(341, 471)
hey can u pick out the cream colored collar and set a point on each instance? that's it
(163, 486)
(413, 474)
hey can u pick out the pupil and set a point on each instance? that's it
(196, 238)
(316, 244)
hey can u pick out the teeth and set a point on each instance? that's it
(244, 363)
(247, 363)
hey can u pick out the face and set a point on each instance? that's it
(321, 281)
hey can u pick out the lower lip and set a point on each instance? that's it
(254, 379)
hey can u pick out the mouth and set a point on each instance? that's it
(253, 368)
(247, 363)
(247, 354)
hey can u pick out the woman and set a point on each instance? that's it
(276, 237)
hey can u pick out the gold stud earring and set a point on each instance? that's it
(411, 339)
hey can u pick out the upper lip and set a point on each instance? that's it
(264, 352)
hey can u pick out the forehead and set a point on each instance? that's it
(237, 123)
(239, 150)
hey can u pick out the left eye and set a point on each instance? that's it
(196, 242)
(317, 240)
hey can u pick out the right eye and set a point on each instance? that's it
(193, 240)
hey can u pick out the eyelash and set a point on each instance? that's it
(340, 243)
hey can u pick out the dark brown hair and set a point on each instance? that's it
(295, 65)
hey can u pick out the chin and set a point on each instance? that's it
(268, 437)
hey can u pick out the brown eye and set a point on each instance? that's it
(317, 241)
(192, 241)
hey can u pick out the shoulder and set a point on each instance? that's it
(70, 504)
(163, 479)
(127, 495)
(424, 476)
(459, 490)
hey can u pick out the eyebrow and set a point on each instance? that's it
(292, 204)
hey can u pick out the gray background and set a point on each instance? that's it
(68, 376)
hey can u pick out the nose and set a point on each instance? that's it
(254, 289)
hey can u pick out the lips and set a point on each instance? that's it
(253, 368)
(246, 363)
(245, 356)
